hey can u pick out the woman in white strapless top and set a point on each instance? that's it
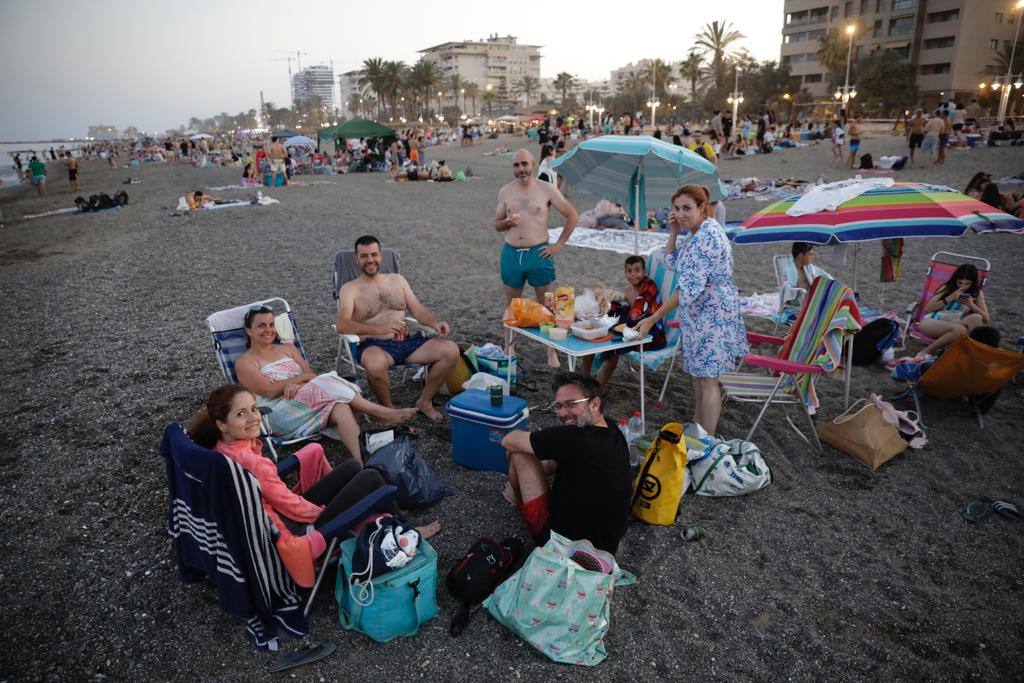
(279, 377)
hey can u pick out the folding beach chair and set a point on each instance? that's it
(967, 369)
(828, 319)
(227, 329)
(345, 270)
(221, 533)
(665, 278)
(940, 269)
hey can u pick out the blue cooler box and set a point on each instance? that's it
(278, 181)
(478, 428)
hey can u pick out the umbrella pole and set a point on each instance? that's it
(636, 218)
(856, 251)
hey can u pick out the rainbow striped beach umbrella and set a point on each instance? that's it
(902, 210)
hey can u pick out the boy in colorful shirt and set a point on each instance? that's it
(642, 301)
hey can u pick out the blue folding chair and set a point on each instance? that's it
(665, 278)
(222, 533)
(227, 329)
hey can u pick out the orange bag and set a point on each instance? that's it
(527, 313)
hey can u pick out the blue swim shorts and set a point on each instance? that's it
(398, 350)
(519, 266)
(854, 145)
(38, 179)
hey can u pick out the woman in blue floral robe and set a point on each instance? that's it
(713, 335)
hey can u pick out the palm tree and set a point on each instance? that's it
(713, 42)
(454, 85)
(636, 87)
(472, 90)
(391, 79)
(489, 97)
(564, 82)
(373, 76)
(527, 86)
(426, 75)
(1003, 60)
(832, 50)
(691, 70)
(662, 77)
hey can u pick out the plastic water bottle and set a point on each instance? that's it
(624, 428)
(635, 430)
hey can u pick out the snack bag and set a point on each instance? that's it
(526, 313)
(565, 306)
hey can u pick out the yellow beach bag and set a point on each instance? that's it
(661, 481)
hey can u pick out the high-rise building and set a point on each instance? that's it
(314, 81)
(348, 88)
(951, 43)
(496, 61)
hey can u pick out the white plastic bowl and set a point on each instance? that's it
(590, 329)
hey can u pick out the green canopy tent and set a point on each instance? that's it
(358, 128)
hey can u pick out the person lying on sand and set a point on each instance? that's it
(374, 306)
(198, 200)
(281, 378)
(589, 459)
(230, 425)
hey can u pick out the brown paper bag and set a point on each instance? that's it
(863, 434)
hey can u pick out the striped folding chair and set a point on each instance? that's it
(227, 329)
(828, 319)
(940, 269)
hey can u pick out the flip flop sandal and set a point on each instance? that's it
(977, 510)
(304, 655)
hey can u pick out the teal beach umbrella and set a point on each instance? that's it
(636, 170)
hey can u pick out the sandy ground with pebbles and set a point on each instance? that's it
(832, 571)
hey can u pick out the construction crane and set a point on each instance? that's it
(298, 57)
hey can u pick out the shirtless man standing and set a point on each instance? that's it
(373, 306)
(276, 154)
(522, 215)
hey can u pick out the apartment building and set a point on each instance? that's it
(314, 81)
(951, 43)
(348, 86)
(495, 61)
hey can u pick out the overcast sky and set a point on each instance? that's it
(153, 64)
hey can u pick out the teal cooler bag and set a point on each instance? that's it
(397, 602)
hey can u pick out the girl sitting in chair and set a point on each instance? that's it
(230, 425)
(956, 309)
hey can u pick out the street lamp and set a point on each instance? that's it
(653, 103)
(848, 91)
(735, 99)
(1005, 99)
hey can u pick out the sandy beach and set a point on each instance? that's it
(833, 571)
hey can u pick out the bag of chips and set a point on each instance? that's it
(526, 313)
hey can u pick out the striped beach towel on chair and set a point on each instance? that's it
(826, 318)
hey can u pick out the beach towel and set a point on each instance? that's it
(221, 533)
(819, 332)
(618, 241)
(263, 201)
(831, 196)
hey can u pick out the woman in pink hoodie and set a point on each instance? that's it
(230, 425)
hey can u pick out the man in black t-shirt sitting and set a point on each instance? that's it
(590, 462)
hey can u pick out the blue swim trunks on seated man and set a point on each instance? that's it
(528, 265)
(399, 350)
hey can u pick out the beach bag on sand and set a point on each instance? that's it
(560, 600)
(400, 465)
(661, 481)
(863, 433)
(874, 339)
(391, 604)
(729, 468)
(479, 572)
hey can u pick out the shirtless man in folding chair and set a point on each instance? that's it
(374, 306)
